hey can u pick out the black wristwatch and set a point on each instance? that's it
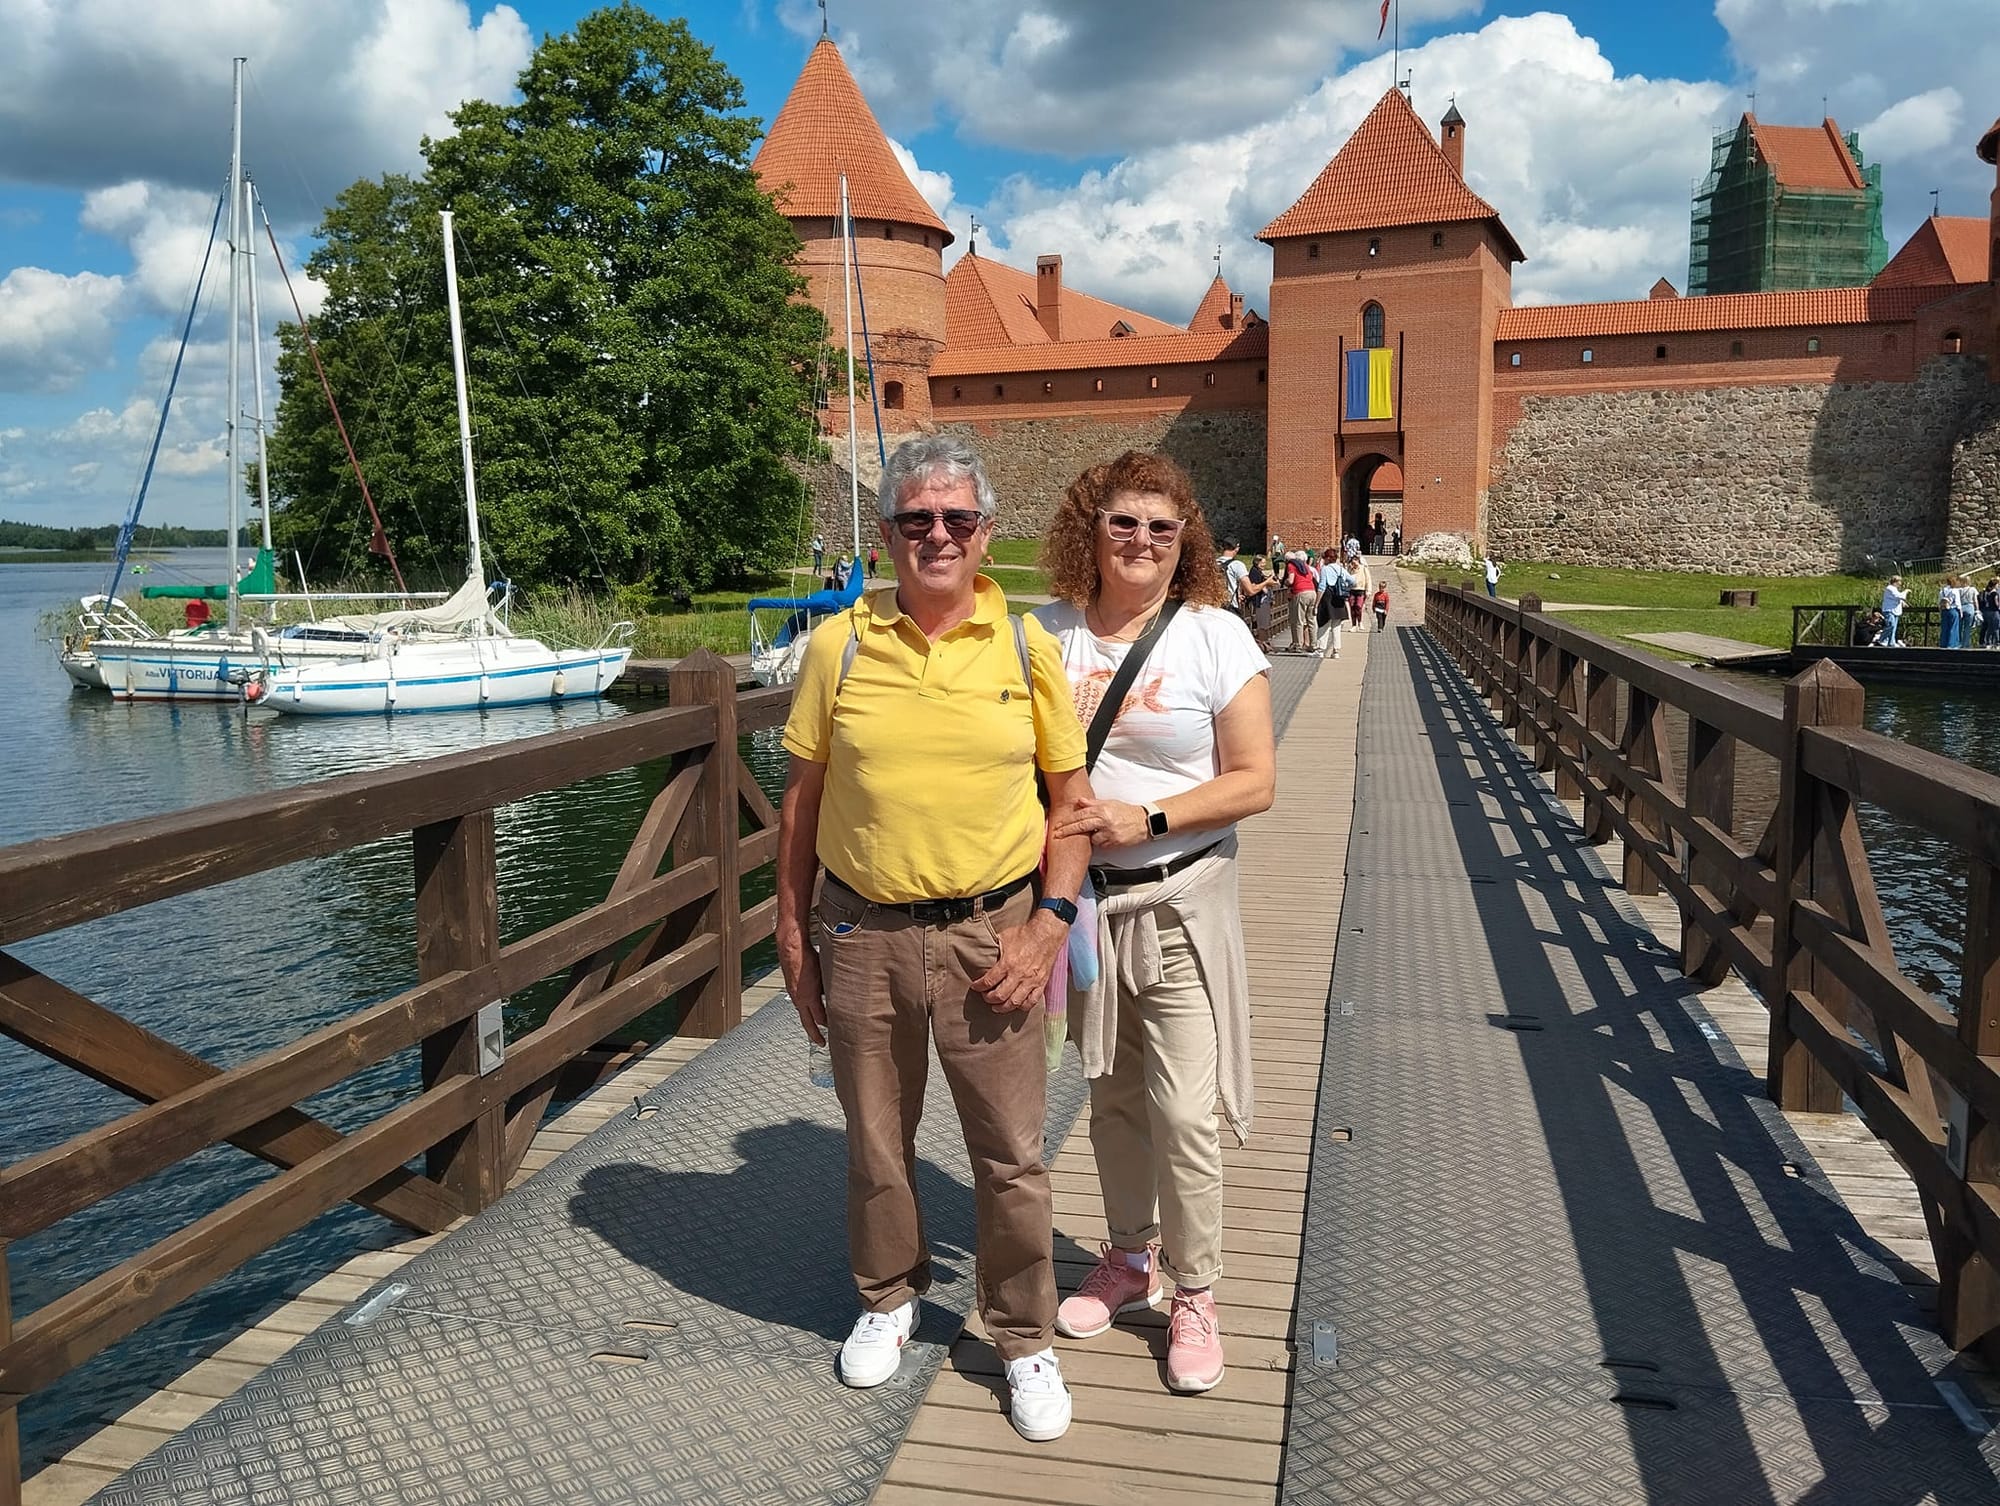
(1064, 910)
(1156, 821)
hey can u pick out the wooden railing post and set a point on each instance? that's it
(1537, 724)
(711, 828)
(1711, 796)
(1569, 697)
(10, 1417)
(1822, 696)
(1968, 1283)
(458, 927)
(1645, 752)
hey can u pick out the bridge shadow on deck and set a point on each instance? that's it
(1572, 1253)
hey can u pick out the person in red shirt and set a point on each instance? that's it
(1381, 607)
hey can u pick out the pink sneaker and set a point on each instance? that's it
(1112, 1287)
(1194, 1343)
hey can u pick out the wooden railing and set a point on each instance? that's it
(1793, 909)
(481, 1096)
(1833, 626)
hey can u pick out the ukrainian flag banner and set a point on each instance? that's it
(1370, 383)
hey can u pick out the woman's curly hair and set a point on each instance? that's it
(1069, 549)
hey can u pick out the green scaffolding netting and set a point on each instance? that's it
(1751, 234)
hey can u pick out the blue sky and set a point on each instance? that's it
(1130, 136)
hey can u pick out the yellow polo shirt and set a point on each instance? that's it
(931, 748)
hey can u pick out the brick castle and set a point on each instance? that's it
(1779, 431)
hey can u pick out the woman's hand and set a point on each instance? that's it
(1108, 823)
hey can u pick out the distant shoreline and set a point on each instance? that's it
(71, 556)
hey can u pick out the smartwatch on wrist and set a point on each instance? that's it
(1156, 821)
(1064, 910)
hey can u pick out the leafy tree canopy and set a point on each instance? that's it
(640, 366)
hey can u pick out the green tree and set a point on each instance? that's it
(640, 363)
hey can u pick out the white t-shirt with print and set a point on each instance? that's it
(1163, 742)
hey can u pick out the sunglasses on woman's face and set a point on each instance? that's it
(960, 522)
(1160, 532)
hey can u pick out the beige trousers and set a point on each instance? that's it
(1152, 1121)
(894, 986)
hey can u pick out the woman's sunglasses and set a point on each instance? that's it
(1122, 526)
(960, 522)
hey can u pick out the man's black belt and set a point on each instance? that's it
(1126, 878)
(942, 912)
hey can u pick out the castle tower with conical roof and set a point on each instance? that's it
(826, 129)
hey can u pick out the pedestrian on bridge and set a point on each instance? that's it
(1178, 701)
(919, 799)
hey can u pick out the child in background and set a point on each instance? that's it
(1381, 607)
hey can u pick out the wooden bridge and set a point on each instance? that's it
(1519, 1221)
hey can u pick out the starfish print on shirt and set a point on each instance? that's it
(1146, 696)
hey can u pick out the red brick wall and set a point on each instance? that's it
(1111, 390)
(902, 279)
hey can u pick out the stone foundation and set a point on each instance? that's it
(1974, 535)
(1793, 479)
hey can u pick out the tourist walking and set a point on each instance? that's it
(1260, 585)
(1968, 611)
(1948, 613)
(1894, 598)
(819, 554)
(1234, 574)
(1360, 582)
(920, 802)
(1492, 568)
(1302, 587)
(1333, 586)
(1381, 603)
(1165, 1029)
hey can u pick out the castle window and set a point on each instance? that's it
(1437, 240)
(1812, 345)
(1953, 342)
(1659, 352)
(1208, 379)
(957, 393)
(892, 394)
(1099, 385)
(888, 232)
(1048, 387)
(1514, 359)
(999, 389)
(1312, 250)
(1736, 347)
(1371, 326)
(1152, 384)
(1374, 245)
(1260, 375)
(1588, 355)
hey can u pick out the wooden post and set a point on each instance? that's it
(1823, 696)
(10, 1417)
(712, 828)
(458, 926)
(1569, 697)
(1645, 750)
(1600, 699)
(1968, 1283)
(1711, 796)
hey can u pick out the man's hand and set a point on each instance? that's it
(800, 965)
(1027, 953)
(1108, 823)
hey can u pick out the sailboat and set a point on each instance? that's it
(457, 656)
(775, 659)
(112, 647)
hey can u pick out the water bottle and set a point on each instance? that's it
(819, 1065)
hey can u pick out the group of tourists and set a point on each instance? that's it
(1320, 595)
(1968, 614)
(951, 895)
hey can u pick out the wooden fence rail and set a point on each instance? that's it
(1793, 907)
(480, 1097)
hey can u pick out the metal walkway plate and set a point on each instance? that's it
(653, 1317)
(1570, 1252)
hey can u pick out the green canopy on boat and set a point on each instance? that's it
(261, 581)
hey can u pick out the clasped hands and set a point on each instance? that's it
(1108, 823)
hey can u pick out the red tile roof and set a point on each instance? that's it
(1660, 316)
(824, 129)
(1390, 172)
(1178, 348)
(1814, 157)
(987, 304)
(1945, 248)
(1213, 308)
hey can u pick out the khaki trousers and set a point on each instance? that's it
(1304, 618)
(893, 985)
(1152, 1120)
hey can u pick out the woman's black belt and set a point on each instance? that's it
(1126, 878)
(942, 912)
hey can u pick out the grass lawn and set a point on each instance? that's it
(1668, 601)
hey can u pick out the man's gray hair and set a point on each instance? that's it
(917, 463)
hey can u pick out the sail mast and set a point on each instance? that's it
(853, 440)
(257, 369)
(234, 481)
(476, 571)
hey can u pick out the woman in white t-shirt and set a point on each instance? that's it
(1165, 1029)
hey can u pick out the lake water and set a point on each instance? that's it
(236, 970)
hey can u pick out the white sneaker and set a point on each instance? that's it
(875, 1347)
(1040, 1408)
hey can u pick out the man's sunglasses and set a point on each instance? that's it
(1122, 526)
(960, 522)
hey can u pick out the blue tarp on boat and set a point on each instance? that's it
(805, 608)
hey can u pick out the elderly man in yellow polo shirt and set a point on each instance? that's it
(917, 725)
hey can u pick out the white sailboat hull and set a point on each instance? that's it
(213, 667)
(468, 676)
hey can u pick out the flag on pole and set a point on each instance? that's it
(1378, 30)
(1370, 383)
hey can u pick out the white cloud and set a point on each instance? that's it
(1916, 129)
(935, 187)
(54, 329)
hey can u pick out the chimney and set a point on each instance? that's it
(1234, 318)
(1048, 294)
(1452, 138)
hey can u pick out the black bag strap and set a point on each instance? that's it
(1121, 682)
